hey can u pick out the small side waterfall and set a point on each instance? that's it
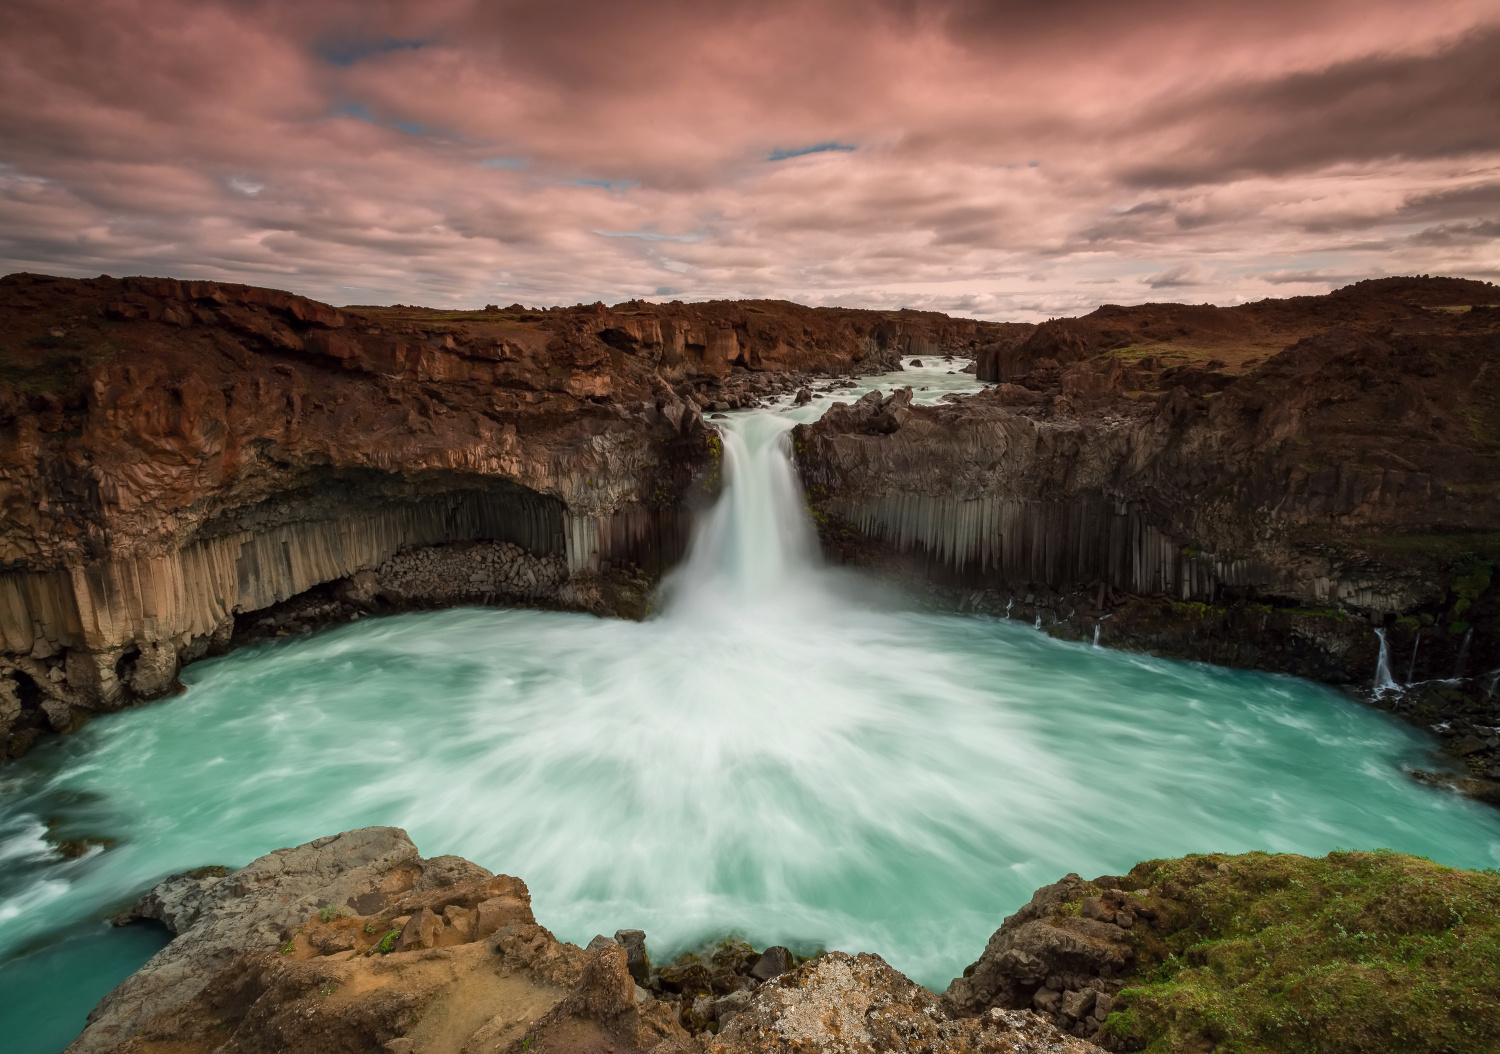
(1411, 667)
(1463, 654)
(1384, 682)
(1096, 634)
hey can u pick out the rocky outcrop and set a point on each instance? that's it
(1066, 965)
(356, 943)
(1256, 952)
(177, 457)
(1264, 486)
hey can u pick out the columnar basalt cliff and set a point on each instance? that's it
(179, 455)
(1265, 485)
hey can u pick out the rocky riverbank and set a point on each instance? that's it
(356, 943)
(1309, 486)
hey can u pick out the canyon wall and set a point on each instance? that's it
(176, 457)
(1265, 485)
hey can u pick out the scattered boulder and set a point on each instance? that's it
(773, 962)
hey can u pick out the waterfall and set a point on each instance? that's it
(1463, 654)
(1384, 682)
(1411, 667)
(756, 547)
(1096, 634)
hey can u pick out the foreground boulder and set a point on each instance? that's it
(356, 943)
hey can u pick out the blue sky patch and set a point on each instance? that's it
(357, 110)
(817, 148)
(346, 51)
(503, 162)
(651, 236)
(360, 112)
(607, 184)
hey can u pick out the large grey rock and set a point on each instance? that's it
(217, 918)
(634, 943)
(773, 962)
(178, 902)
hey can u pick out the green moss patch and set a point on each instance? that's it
(1353, 952)
(50, 364)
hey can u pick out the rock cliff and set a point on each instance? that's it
(1266, 485)
(183, 464)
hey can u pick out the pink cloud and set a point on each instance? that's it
(1009, 159)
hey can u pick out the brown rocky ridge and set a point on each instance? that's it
(355, 943)
(1276, 485)
(184, 465)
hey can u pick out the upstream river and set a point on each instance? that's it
(787, 753)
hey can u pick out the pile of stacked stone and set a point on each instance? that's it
(477, 570)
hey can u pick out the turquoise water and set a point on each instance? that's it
(785, 753)
(48, 993)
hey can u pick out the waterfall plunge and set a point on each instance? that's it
(756, 547)
(1384, 682)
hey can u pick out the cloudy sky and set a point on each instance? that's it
(1000, 158)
